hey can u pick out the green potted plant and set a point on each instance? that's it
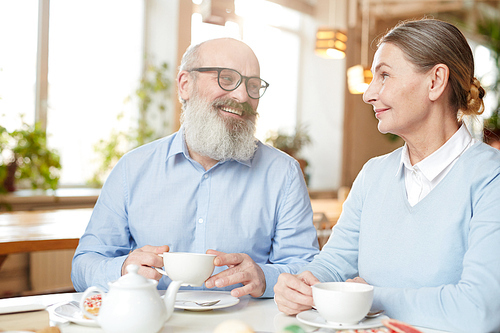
(153, 86)
(291, 143)
(25, 156)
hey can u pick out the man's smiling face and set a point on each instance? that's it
(220, 124)
(228, 54)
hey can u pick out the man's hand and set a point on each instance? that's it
(293, 293)
(241, 269)
(146, 257)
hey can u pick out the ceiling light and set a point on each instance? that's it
(360, 76)
(331, 43)
(358, 79)
(217, 11)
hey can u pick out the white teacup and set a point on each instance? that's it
(342, 302)
(190, 268)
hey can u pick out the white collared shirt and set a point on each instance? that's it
(422, 177)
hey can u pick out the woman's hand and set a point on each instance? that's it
(357, 280)
(293, 293)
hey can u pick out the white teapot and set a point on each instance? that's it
(133, 304)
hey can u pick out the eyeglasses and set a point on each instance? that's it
(230, 80)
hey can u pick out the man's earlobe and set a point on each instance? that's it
(183, 85)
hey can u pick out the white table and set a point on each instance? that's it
(261, 314)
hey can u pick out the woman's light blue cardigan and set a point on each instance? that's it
(436, 264)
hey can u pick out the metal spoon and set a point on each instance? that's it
(374, 314)
(368, 315)
(209, 303)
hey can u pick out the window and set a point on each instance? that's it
(17, 61)
(95, 62)
(486, 72)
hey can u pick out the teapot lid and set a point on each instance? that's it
(132, 278)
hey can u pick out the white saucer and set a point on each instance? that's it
(313, 318)
(71, 313)
(226, 300)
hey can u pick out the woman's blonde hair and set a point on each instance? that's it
(428, 42)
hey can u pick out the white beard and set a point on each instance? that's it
(220, 138)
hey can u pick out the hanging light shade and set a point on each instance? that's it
(331, 43)
(360, 76)
(217, 11)
(358, 79)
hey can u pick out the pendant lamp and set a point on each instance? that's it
(217, 11)
(360, 76)
(331, 42)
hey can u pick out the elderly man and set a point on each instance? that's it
(211, 187)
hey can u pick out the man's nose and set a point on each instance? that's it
(240, 94)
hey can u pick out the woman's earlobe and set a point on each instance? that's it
(439, 81)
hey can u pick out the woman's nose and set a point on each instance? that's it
(369, 95)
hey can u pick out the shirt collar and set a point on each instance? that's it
(179, 146)
(434, 164)
(403, 160)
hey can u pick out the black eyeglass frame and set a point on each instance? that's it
(242, 77)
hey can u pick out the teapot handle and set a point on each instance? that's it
(82, 301)
(170, 296)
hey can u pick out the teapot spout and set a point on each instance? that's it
(170, 296)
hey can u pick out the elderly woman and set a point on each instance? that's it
(421, 224)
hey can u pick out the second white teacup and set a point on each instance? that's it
(190, 268)
(342, 302)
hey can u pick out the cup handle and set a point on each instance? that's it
(82, 301)
(159, 270)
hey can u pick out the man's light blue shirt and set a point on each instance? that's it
(157, 195)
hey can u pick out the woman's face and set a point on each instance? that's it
(398, 93)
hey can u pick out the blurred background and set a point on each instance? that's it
(84, 81)
(86, 69)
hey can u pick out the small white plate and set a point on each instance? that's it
(73, 314)
(313, 318)
(226, 300)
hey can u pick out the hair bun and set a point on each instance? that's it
(477, 84)
(475, 104)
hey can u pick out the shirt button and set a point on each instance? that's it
(206, 176)
(200, 220)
